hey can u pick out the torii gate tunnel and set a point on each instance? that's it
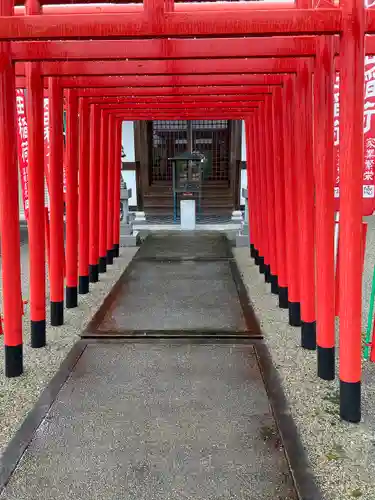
(271, 65)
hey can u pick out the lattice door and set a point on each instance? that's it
(169, 138)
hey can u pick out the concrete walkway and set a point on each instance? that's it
(159, 418)
(178, 283)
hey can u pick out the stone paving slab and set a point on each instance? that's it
(157, 421)
(176, 296)
(184, 246)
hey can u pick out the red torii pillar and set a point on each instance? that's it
(94, 192)
(34, 101)
(351, 173)
(255, 204)
(250, 159)
(270, 181)
(110, 190)
(305, 204)
(291, 231)
(116, 186)
(83, 202)
(324, 207)
(72, 199)
(261, 183)
(103, 192)
(9, 213)
(254, 131)
(56, 108)
(279, 184)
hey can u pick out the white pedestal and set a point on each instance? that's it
(140, 218)
(187, 210)
(125, 195)
(245, 229)
(237, 216)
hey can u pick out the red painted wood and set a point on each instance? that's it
(223, 22)
(180, 115)
(84, 178)
(279, 186)
(137, 7)
(34, 105)
(178, 100)
(116, 183)
(9, 206)
(172, 67)
(47, 237)
(253, 141)
(235, 105)
(351, 172)
(260, 130)
(163, 49)
(95, 124)
(71, 197)
(173, 82)
(269, 184)
(250, 160)
(111, 180)
(103, 185)
(176, 92)
(370, 22)
(56, 190)
(324, 191)
(291, 222)
(305, 194)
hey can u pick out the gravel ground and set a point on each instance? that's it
(342, 455)
(18, 396)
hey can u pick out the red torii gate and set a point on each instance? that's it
(166, 19)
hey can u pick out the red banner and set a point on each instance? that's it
(46, 140)
(368, 184)
(23, 148)
(47, 146)
(336, 138)
(369, 138)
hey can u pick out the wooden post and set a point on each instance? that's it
(37, 257)
(84, 196)
(103, 192)
(57, 267)
(351, 174)
(9, 213)
(291, 221)
(305, 203)
(94, 177)
(72, 200)
(324, 207)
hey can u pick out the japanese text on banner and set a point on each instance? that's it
(369, 130)
(46, 145)
(23, 148)
(336, 133)
(368, 180)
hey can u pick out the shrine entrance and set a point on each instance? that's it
(172, 137)
(218, 140)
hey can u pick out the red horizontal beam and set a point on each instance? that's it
(138, 8)
(163, 49)
(168, 92)
(370, 18)
(237, 105)
(181, 115)
(162, 82)
(225, 22)
(370, 43)
(170, 67)
(215, 99)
